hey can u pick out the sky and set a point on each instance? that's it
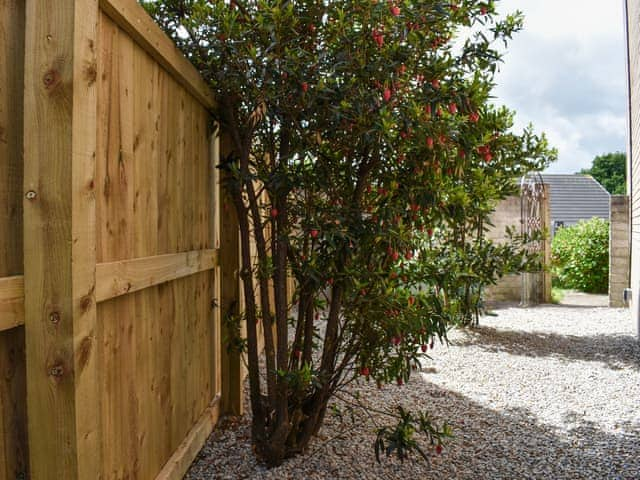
(566, 74)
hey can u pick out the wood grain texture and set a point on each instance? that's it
(177, 466)
(122, 198)
(59, 239)
(11, 302)
(128, 276)
(159, 343)
(113, 279)
(133, 19)
(13, 418)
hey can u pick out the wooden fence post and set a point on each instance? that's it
(59, 239)
(232, 402)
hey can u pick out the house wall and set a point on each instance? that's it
(633, 50)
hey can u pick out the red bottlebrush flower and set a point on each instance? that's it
(461, 153)
(395, 10)
(439, 112)
(330, 281)
(423, 348)
(395, 256)
(400, 382)
(429, 142)
(484, 10)
(411, 300)
(488, 157)
(314, 233)
(435, 83)
(274, 212)
(474, 117)
(408, 255)
(364, 371)
(297, 354)
(378, 38)
(453, 108)
(430, 232)
(427, 110)
(402, 69)
(387, 94)
(438, 449)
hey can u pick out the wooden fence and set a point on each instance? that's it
(110, 321)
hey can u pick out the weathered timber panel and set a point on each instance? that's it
(158, 346)
(13, 419)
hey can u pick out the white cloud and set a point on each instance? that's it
(565, 73)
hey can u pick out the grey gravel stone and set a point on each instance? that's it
(540, 393)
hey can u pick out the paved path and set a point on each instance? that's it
(574, 298)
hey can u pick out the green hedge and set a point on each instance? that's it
(580, 256)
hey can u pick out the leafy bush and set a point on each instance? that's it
(349, 127)
(580, 256)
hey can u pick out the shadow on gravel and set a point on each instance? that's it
(488, 444)
(516, 445)
(615, 351)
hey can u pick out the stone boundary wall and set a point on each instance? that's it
(619, 249)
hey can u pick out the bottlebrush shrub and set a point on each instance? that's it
(580, 256)
(351, 125)
(459, 263)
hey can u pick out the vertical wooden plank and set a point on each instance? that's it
(165, 291)
(59, 239)
(231, 365)
(11, 85)
(178, 381)
(145, 244)
(214, 238)
(13, 414)
(116, 199)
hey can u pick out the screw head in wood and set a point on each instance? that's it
(31, 195)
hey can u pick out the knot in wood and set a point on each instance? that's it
(56, 371)
(51, 79)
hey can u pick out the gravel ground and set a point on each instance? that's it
(544, 393)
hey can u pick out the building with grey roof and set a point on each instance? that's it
(575, 197)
